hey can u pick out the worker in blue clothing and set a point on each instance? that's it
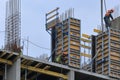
(107, 17)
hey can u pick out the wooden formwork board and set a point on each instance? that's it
(115, 75)
(72, 59)
(75, 21)
(59, 35)
(85, 40)
(58, 53)
(75, 56)
(65, 27)
(66, 30)
(65, 39)
(75, 47)
(115, 67)
(74, 65)
(100, 57)
(115, 70)
(104, 39)
(75, 39)
(115, 58)
(100, 53)
(86, 36)
(74, 30)
(59, 43)
(100, 65)
(105, 72)
(115, 38)
(75, 43)
(59, 30)
(66, 44)
(59, 47)
(116, 45)
(114, 32)
(76, 34)
(114, 53)
(102, 36)
(85, 55)
(85, 46)
(65, 49)
(115, 62)
(74, 27)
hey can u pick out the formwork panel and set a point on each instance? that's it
(108, 58)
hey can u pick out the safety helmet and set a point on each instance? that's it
(109, 11)
(112, 10)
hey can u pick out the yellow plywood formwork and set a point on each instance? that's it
(76, 34)
(110, 53)
(86, 55)
(75, 20)
(85, 40)
(75, 56)
(43, 71)
(115, 38)
(97, 31)
(31, 68)
(75, 27)
(114, 53)
(6, 61)
(74, 43)
(74, 47)
(86, 36)
(84, 46)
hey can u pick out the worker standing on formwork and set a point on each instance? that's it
(107, 17)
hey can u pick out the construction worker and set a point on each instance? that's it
(107, 17)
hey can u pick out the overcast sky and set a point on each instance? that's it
(33, 19)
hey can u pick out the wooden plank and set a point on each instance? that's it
(85, 40)
(97, 31)
(2, 54)
(86, 36)
(84, 46)
(74, 47)
(75, 27)
(47, 72)
(85, 55)
(6, 61)
(9, 56)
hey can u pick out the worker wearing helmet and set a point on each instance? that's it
(107, 17)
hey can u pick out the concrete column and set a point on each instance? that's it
(71, 75)
(13, 72)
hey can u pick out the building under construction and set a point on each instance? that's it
(67, 53)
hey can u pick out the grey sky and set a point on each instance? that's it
(33, 18)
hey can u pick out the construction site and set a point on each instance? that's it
(70, 49)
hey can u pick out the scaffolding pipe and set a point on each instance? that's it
(25, 74)
(102, 15)
(5, 78)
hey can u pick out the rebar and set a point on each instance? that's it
(12, 26)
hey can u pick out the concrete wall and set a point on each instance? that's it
(116, 23)
(71, 75)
